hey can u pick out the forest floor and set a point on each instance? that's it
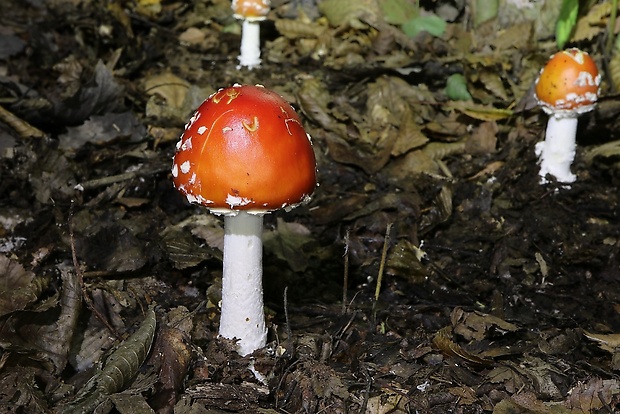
(498, 294)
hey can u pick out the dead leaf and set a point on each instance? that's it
(112, 247)
(480, 112)
(101, 129)
(483, 139)
(607, 342)
(593, 395)
(476, 325)
(169, 87)
(287, 242)
(18, 287)
(410, 135)
(172, 354)
(96, 96)
(340, 12)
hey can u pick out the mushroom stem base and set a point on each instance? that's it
(242, 316)
(557, 152)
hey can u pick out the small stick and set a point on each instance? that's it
(386, 242)
(345, 283)
(113, 179)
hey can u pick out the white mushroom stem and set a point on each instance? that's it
(557, 152)
(250, 44)
(242, 282)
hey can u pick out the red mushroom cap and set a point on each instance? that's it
(569, 83)
(251, 9)
(245, 149)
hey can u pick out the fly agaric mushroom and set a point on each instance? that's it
(244, 153)
(567, 87)
(251, 12)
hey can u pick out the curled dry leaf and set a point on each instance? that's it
(593, 395)
(18, 287)
(493, 83)
(343, 12)
(172, 355)
(439, 212)
(614, 70)
(182, 250)
(287, 243)
(476, 325)
(443, 341)
(607, 342)
(608, 150)
(169, 87)
(296, 29)
(119, 370)
(593, 23)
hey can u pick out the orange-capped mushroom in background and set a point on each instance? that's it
(251, 9)
(567, 87)
(569, 81)
(251, 12)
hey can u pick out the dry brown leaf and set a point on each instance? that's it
(169, 87)
(608, 149)
(480, 112)
(172, 355)
(314, 99)
(342, 12)
(510, 378)
(287, 242)
(466, 395)
(410, 135)
(192, 36)
(493, 83)
(593, 23)
(490, 169)
(410, 165)
(440, 150)
(614, 70)
(517, 36)
(388, 402)
(18, 287)
(609, 342)
(443, 341)
(295, 29)
(483, 139)
(593, 395)
(476, 325)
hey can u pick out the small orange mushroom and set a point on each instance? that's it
(567, 87)
(251, 12)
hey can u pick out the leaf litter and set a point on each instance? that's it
(497, 294)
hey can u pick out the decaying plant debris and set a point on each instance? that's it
(498, 294)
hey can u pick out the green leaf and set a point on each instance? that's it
(430, 23)
(566, 21)
(399, 11)
(456, 88)
(484, 10)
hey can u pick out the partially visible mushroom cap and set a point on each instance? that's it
(251, 10)
(245, 149)
(569, 83)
